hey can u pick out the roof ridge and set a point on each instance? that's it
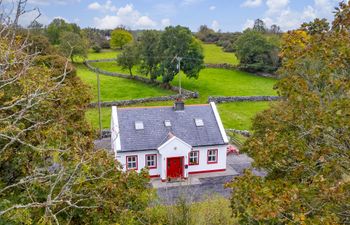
(150, 107)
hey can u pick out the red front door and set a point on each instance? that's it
(175, 167)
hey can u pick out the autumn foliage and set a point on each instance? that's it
(303, 142)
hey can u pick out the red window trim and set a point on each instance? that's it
(216, 158)
(155, 160)
(189, 155)
(137, 162)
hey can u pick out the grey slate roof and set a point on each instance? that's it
(154, 133)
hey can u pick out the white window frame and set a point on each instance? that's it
(191, 156)
(212, 157)
(154, 160)
(130, 163)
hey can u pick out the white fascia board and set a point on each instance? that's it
(171, 139)
(219, 122)
(115, 132)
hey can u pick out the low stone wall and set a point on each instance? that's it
(223, 99)
(244, 133)
(143, 100)
(106, 133)
(221, 66)
(268, 75)
(185, 93)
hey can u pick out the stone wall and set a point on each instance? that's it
(143, 100)
(244, 133)
(185, 93)
(223, 99)
(221, 66)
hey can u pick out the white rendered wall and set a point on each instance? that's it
(203, 159)
(141, 160)
(173, 148)
(169, 152)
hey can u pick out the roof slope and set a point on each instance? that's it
(155, 132)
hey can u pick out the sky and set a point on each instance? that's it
(224, 15)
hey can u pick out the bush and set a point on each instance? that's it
(96, 48)
(213, 211)
(105, 45)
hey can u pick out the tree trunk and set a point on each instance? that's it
(130, 71)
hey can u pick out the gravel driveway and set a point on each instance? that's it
(208, 186)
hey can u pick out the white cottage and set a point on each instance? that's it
(172, 142)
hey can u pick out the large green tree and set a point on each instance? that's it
(256, 52)
(120, 37)
(59, 26)
(316, 26)
(302, 142)
(129, 57)
(179, 41)
(149, 52)
(73, 45)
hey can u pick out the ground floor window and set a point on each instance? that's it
(151, 161)
(131, 162)
(212, 156)
(194, 158)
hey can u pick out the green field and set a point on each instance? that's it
(213, 54)
(115, 88)
(211, 82)
(104, 54)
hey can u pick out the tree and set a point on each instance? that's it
(179, 41)
(96, 37)
(129, 57)
(207, 35)
(59, 26)
(256, 53)
(72, 45)
(342, 17)
(50, 171)
(315, 27)
(120, 37)
(302, 141)
(259, 26)
(36, 27)
(149, 53)
(274, 29)
(39, 44)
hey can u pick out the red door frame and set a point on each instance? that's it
(182, 166)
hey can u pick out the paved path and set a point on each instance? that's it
(197, 190)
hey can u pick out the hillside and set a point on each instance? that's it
(211, 82)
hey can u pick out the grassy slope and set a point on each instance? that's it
(211, 82)
(215, 55)
(104, 54)
(114, 88)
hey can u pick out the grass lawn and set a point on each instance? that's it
(115, 88)
(104, 54)
(237, 115)
(222, 82)
(213, 54)
(214, 82)
(113, 67)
